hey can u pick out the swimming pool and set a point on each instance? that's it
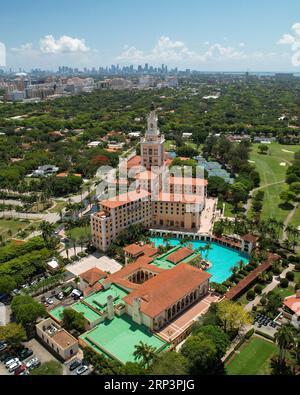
(222, 258)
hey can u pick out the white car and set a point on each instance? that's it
(49, 301)
(82, 370)
(14, 366)
(32, 363)
(11, 361)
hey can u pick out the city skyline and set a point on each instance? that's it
(236, 36)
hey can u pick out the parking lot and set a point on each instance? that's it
(265, 325)
(38, 352)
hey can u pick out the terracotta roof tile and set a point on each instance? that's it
(92, 276)
(164, 290)
(180, 255)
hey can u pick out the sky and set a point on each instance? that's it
(205, 35)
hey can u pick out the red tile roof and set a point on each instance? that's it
(121, 277)
(92, 276)
(134, 162)
(293, 303)
(250, 238)
(236, 291)
(125, 198)
(161, 292)
(180, 255)
(137, 249)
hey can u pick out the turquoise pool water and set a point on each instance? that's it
(222, 258)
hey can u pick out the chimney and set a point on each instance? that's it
(136, 311)
(110, 308)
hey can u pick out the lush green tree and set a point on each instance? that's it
(12, 333)
(27, 310)
(284, 337)
(133, 369)
(288, 196)
(51, 368)
(170, 363)
(7, 284)
(145, 353)
(201, 354)
(263, 149)
(216, 334)
(73, 320)
(232, 316)
(295, 188)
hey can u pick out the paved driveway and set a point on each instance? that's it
(96, 260)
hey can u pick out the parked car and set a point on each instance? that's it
(60, 296)
(25, 353)
(67, 291)
(14, 366)
(74, 365)
(82, 370)
(20, 370)
(33, 363)
(16, 292)
(3, 346)
(11, 362)
(5, 357)
(49, 301)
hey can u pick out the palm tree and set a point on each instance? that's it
(147, 354)
(241, 265)
(284, 338)
(47, 230)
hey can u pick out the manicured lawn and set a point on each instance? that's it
(58, 207)
(271, 171)
(77, 233)
(296, 218)
(253, 359)
(229, 210)
(297, 277)
(284, 292)
(12, 225)
(168, 143)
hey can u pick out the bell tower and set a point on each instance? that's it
(152, 145)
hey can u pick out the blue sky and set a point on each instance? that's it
(257, 35)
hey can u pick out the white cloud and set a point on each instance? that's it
(294, 41)
(167, 50)
(64, 44)
(2, 55)
(23, 48)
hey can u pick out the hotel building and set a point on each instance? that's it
(160, 200)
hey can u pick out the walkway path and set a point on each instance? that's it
(268, 288)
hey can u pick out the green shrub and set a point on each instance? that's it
(258, 289)
(249, 334)
(297, 267)
(74, 258)
(290, 276)
(284, 283)
(276, 271)
(250, 295)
